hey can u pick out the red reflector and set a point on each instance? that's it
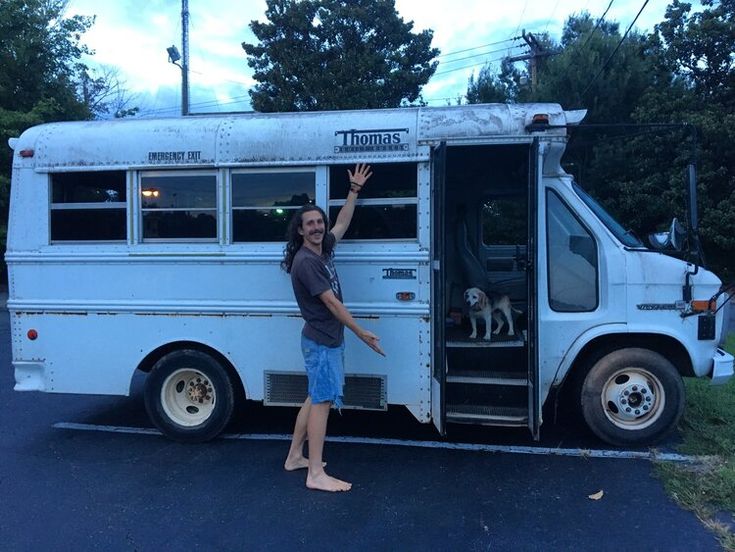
(405, 295)
(32, 335)
(26, 153)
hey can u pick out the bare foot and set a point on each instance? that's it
(293, 464)
(324, 482)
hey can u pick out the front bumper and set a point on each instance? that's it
(722, 367)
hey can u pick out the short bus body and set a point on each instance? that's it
(155, 246)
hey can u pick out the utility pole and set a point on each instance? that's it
(536, 51)
(185, 60)
(174, 56)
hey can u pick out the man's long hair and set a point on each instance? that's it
(296, 240)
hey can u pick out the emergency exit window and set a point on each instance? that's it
(179, 205)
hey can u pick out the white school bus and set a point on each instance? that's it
(154, 246)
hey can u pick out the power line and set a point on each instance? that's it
(227, 80)
(478, 47)
(553, 11)
(482, 54)
(645, 3)
(485, 62)
(599, 21)
(207, 103)
(520, 20)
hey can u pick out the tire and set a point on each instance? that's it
(189, 396)
(632, 397)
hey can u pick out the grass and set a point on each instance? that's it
(707, 430)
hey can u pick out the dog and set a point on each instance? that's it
(489, 308)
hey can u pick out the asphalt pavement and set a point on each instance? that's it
(92, 490)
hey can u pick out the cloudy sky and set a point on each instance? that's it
(132, 36)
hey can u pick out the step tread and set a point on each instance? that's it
(501, 415)
(484, 377)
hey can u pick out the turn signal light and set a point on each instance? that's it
(26, 153)
(540, 121)
(702, 305)
(405, 296)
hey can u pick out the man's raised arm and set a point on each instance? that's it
(357, 181)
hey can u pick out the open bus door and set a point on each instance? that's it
(438, 294)
(535, 191)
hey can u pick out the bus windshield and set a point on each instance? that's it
(626, 237)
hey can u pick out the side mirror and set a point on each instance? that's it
(673, 239)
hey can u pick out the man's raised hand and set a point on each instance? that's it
(360, 176)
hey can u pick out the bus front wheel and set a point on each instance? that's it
(632, 397)
(189, 396)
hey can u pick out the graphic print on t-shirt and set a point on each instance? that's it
(333, 280)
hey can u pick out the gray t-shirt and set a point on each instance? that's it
(312, 275)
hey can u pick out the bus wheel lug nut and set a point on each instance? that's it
(628, 409)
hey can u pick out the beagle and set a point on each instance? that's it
(489, 308)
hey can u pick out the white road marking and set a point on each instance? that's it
(652, 454)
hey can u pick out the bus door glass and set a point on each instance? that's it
(438, 295)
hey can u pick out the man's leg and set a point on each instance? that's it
(295, 459)
(317, 478)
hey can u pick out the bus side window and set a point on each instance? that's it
(88, 206)
(179, 205)
(263, 202)
(572, 270)
(387, 205)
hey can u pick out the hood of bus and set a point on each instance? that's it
(654, 271)
(655, 284)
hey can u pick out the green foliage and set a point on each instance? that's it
(683, 73)
(495, 88)
(708, 431)
(39, 55)
(337, 54)
(40, 75)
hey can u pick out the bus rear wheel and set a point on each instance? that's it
(632, 397)
(189, 396)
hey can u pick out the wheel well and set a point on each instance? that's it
(154, 356)
(666, 346)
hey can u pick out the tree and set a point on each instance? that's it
(682, 74)
(699, 49)
(41, 75)
(40, 54)
(337, 54)
(503, 87)
(103, 92)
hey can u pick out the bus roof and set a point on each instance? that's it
(263, 139)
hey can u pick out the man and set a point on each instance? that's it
(308, 258)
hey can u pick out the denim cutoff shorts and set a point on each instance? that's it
(324, 370)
